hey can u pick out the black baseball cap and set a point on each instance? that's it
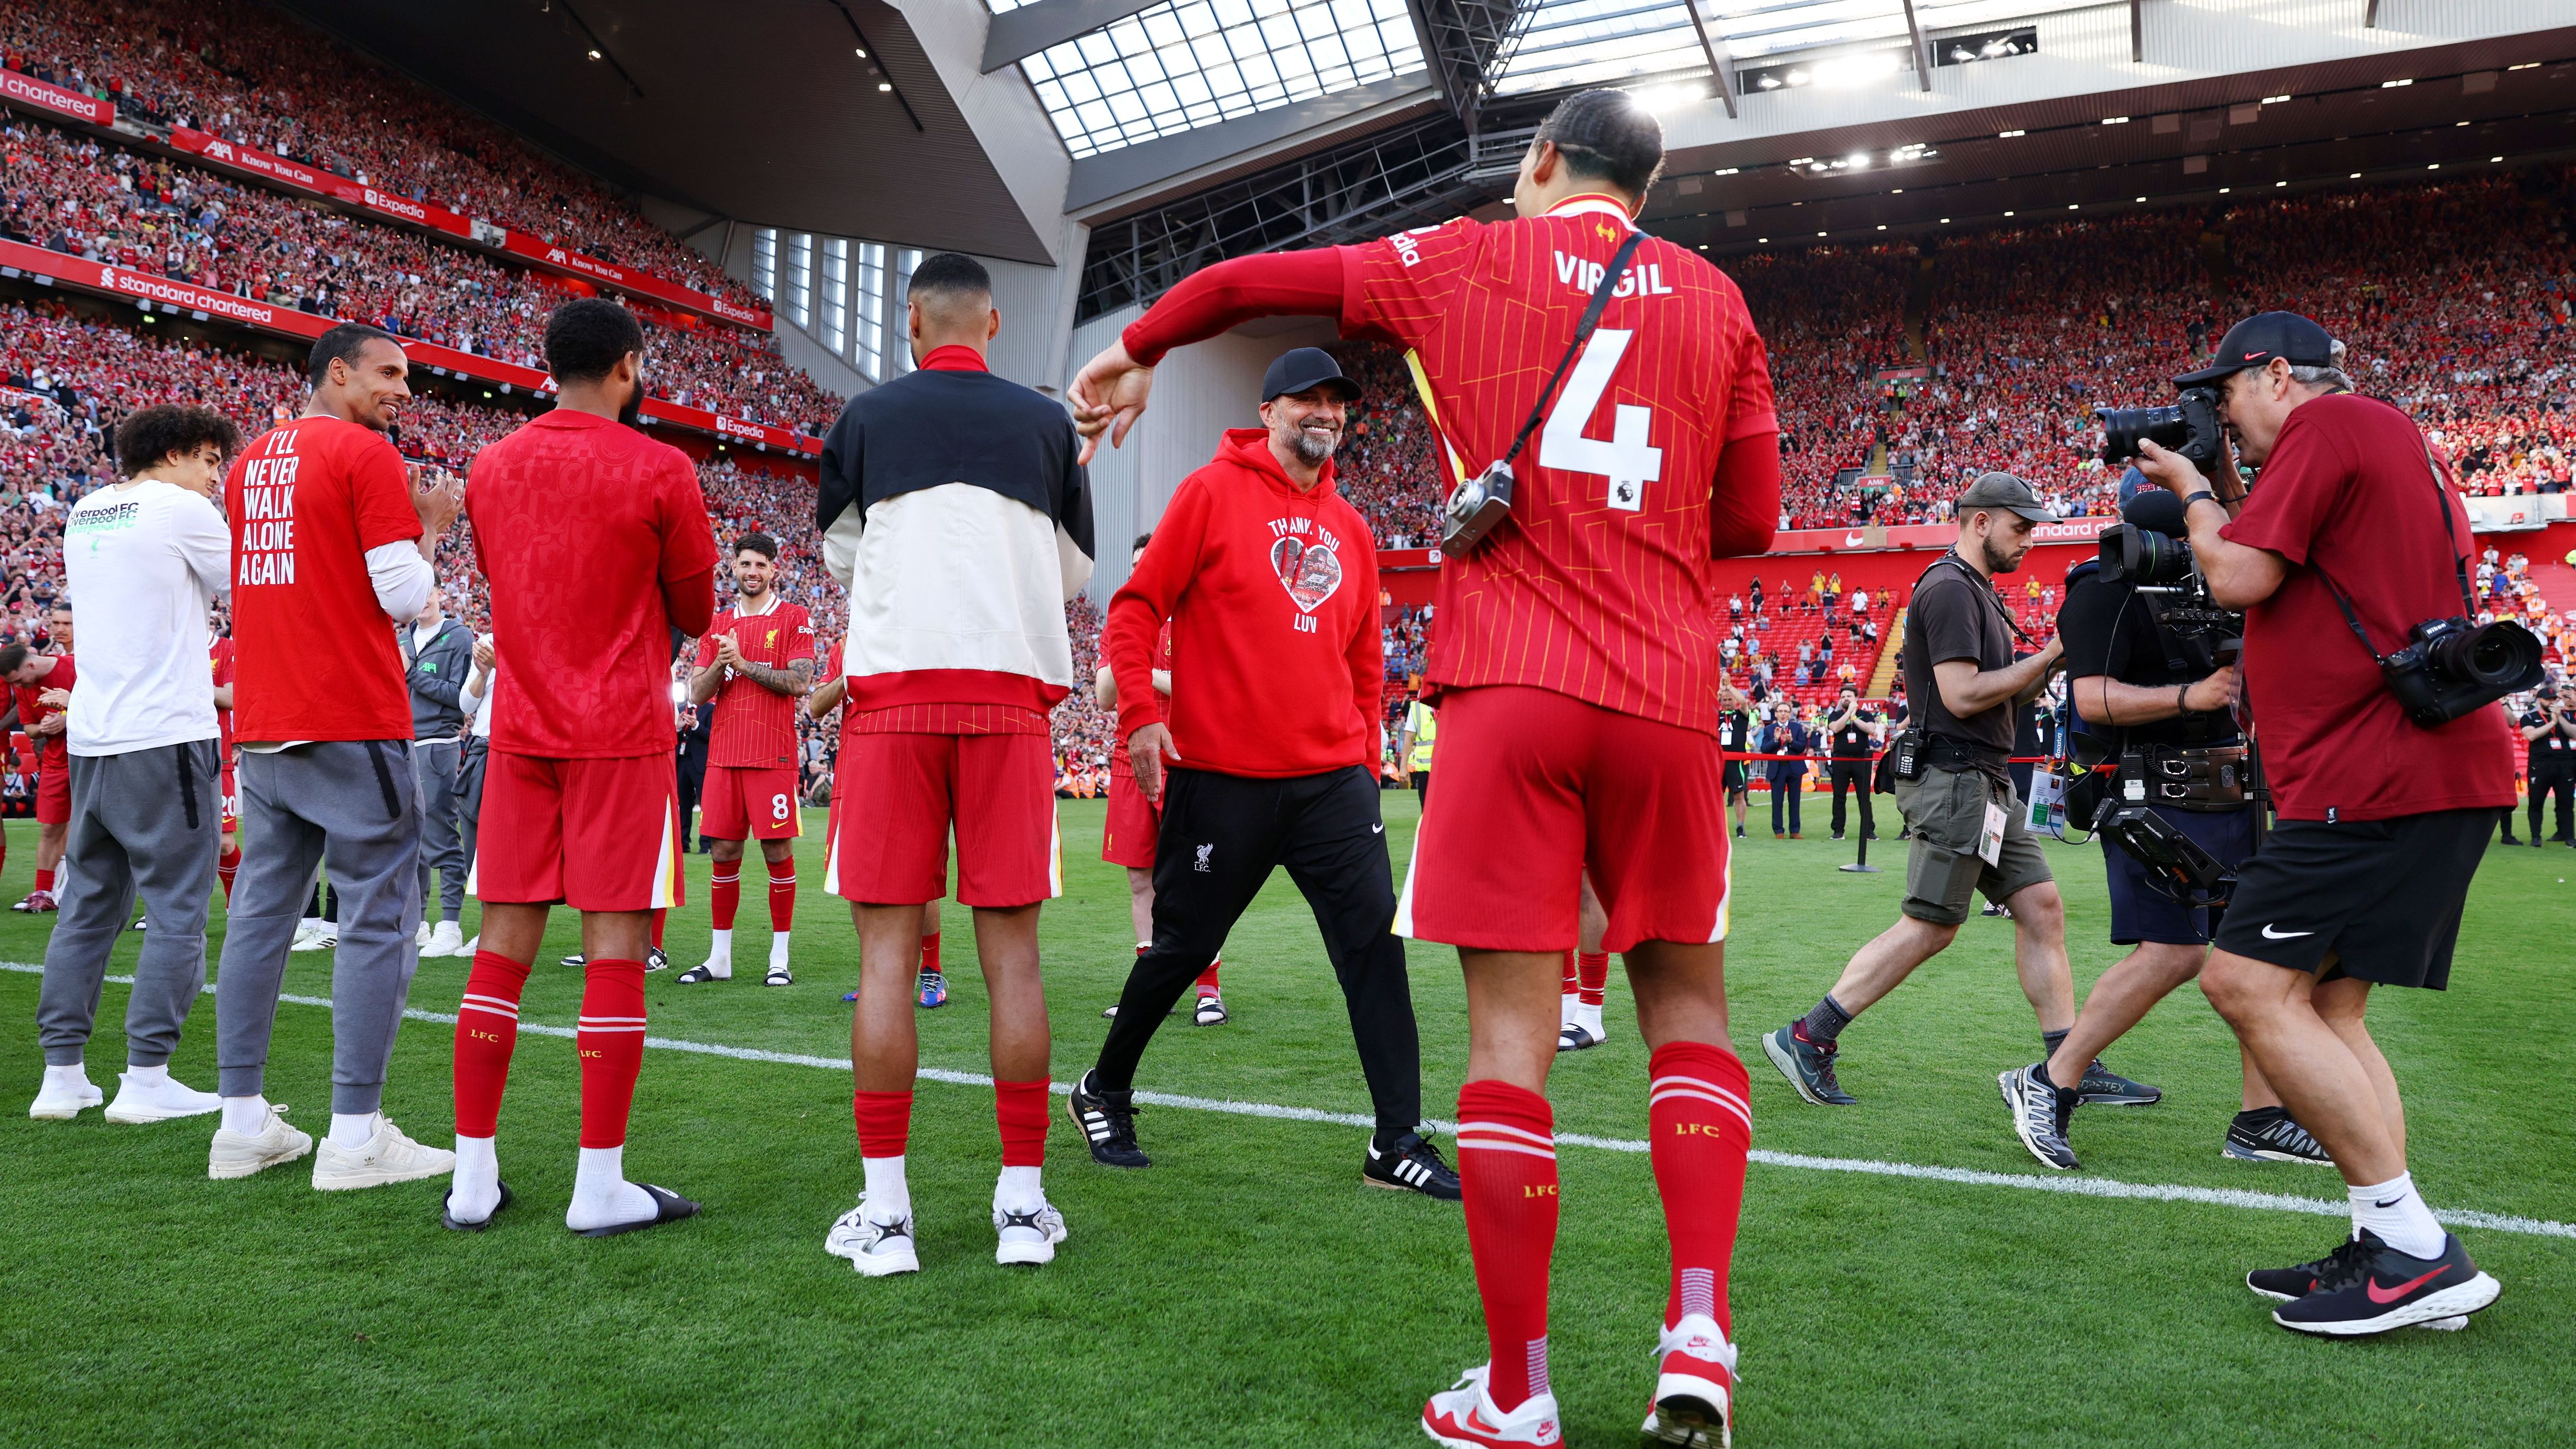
(2004, 491)
(2258, 339)
(1301, 368)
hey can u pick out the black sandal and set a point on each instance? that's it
(447, 1219)
(668, 1207)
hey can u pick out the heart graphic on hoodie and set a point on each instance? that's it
(1310, 572)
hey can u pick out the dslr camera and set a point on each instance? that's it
(2189, 427)
(2451, 667)
(2148, 553)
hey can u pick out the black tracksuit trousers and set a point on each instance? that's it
(1220, 837)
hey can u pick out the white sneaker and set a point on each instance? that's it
(472, 944)
(239, 1154)
(448, 939)
(1694, 1386)
(1028, 1237)
(420, 938)
(304, 931)
(60, 1099)
(323, 938)
(387, 1157)
(160, 1101)
(875, 1249)
(779, 975)
(1463, 1416)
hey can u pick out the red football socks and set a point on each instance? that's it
(45, 880)
(227, 865)
(611, 1040)
(782, 893)
(930, 953)
(1207, 978)
(1591, 973)
(657, 928)
(1699, 1130)
(1507, 1169)
(487, 1031)
(724, 894)
(1021, 1109)
(885, 1122)
(1573, 982)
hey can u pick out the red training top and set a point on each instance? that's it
(755, 726)
(1272, 594)
(316, 658)
(597, 545)
(1600, 587)
(2348, 490)
(53, 751)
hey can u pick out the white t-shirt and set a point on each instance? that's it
(143, 563)
(477, 706)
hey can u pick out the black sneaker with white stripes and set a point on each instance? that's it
(2268, 1134)
(1108, 1123)
(2040, 1114)
(1410, 1164)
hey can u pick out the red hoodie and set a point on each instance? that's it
(1272, 594)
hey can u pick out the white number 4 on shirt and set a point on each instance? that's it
(1626, 459)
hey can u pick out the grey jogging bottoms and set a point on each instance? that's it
(354, 799)
(144, 819)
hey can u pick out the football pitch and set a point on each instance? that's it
(1248, 1289)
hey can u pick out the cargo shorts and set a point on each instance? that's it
(1946, 809)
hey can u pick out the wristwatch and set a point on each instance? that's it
(2190, 499)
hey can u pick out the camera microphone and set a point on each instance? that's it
(2156, 511)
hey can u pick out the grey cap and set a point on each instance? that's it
(2003, 490)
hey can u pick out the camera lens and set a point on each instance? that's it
(2499, 656)
(2123, 428)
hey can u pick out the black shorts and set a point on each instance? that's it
(2381, 897)
(2140, 913)
(1734, 780)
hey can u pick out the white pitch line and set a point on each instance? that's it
(2028, 1182)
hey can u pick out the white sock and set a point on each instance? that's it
(720, 954)
(2396, 1211)
(1566, 1006)
(147, 1078)
(476, 1189)
(1018, 1191)
(351, 1130)
(75, 1075)
(245, 1115)
(1589, 1018)
(601, 1195)
(888, 1198)
(777, 949)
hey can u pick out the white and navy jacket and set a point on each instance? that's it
(953, 509)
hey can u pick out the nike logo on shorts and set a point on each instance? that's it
(2272, 935)
(1378, 829)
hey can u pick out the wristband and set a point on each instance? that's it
(2191, 499)
(2182, 699)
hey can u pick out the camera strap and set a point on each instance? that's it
(2459, 565)
(1582, 334)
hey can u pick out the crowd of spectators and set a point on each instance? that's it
(70, 194)
(255, 75)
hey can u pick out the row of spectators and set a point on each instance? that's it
(256, 76)
(68, 193)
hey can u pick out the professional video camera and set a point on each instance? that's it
(2147, 551)
(2189, 427)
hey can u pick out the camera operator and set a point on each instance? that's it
(1854, 731)
(2549, 735)
(2148, 700)
(1969, 828)
(2382, 819)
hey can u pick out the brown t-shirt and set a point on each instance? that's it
(1955, 615)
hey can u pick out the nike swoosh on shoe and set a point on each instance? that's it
(2391, 1295)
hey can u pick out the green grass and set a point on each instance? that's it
(1247, 1290)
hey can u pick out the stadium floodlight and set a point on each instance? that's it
(1856, 160)
(2115, 120)
(2436, 166)
(2494, 160)
(1882, 226)
(863, 52)
(883, 86)
(2526, 65)
(2392, 85)
(2008, 135)
(2142, 198)
(594, 55)
(1724, 171)
(2007, 213)
(1945, 221)
(2356, 176)
(2274, 100)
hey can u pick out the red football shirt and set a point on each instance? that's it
(755, 727)
(53, 751)
(1601, 585)
(2347, 490)
(316, 655)
(578, 523)
(219, 657)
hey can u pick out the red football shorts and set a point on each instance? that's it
(750, 804)
(1128, 836)
(54, 793)
(597, 835)
(1536, 788)
(996, 791)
